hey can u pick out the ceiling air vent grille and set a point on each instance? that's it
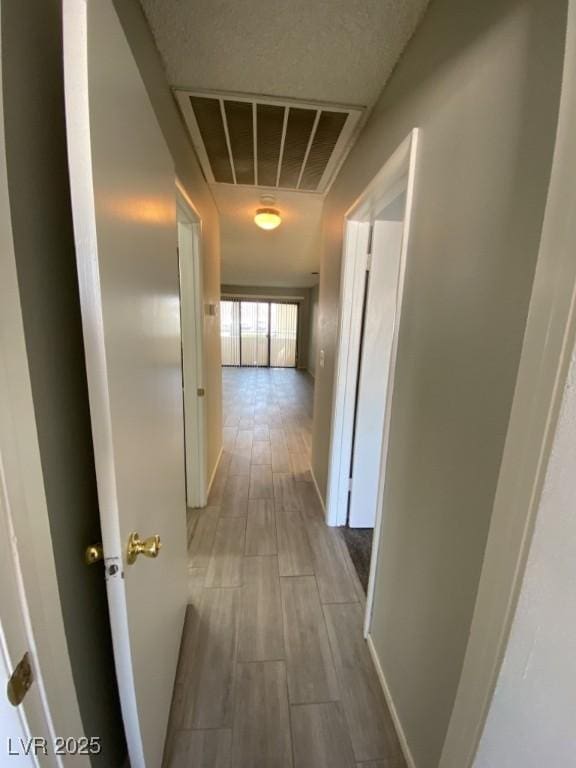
(268, 142)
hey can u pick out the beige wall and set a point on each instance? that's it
(303, 296)
(482, 82)
(531, 718)
(536, 493)
(313, 330)
(189, 172)
(530, 722)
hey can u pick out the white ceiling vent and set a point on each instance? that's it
(257, 141)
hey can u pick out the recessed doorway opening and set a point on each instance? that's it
(192, 330)
(376, 237)
(374, 262)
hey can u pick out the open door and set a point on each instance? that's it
(374, 379)
(192, 330)
(123, 198)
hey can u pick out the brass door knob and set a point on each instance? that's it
(93, 554)
(149, 547)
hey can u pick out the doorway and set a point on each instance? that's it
(191, 320)
(380, 298)
(373, 379)
(259, 333)
(373, 266)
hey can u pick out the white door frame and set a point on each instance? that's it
(396, 176)
(31, 614)
(192, 328)
(386, 185)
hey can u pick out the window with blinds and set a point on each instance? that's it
(230, 332)
(283, 335)
(254, 333)
(259, 333)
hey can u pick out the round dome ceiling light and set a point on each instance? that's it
(267, 217)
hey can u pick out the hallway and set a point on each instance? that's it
(273, 667)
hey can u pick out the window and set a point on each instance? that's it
(259, 333)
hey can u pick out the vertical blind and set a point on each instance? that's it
(258, 333)
(283, 330)
(230, 332)
(254, 333)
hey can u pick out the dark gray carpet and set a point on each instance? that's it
(359, 544)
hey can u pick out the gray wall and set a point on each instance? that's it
(482, 82)
(303, 296)
(530, 722)
(188, 171)
(531, 718)
(313, 329)
(44, 245)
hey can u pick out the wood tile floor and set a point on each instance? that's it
(274, 671)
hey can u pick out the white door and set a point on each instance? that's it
(123, 199)
(192, 355)
(379, 322)
(18, 724)
(14, 730)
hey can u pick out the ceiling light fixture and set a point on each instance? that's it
(267, 217)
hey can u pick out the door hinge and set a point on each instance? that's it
(200, 391)
(20, 681)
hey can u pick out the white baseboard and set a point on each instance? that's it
(388, 696)
(213, 475)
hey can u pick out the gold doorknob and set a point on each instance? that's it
(149, 547)
(93, 554)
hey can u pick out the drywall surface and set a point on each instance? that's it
(531, 718)
(285, 49)
(313, 330)
(188, 170)
(542, 374)
(481, 81)
(302, 295)
(44, 248)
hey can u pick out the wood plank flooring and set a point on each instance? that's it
(274, 671)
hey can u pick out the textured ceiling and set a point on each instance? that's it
(282, 257)
(331, 51)
(338, 51)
